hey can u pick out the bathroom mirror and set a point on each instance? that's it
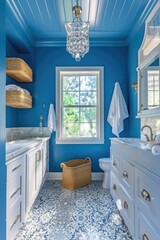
(149, 67)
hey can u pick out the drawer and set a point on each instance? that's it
(147, 196)
(115, 164)
(144, 229)
(127, 210)
(15, 166)
(127, 176)
(115, 190)
(14, 189)
(14, 220)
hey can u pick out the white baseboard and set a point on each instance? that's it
(96, 176)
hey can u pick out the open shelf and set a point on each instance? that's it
(18, 99)
(18, 70)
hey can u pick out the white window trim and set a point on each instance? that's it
(100, 127)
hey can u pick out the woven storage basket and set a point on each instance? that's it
(18, 99)
(76, 173)
(18, 69)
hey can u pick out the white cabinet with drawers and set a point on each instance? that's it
(15, 195)
(135, 187)
(25, 176)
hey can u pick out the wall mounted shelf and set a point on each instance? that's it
(18, 70)
(18, 99)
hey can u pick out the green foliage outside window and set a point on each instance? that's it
(79, 106)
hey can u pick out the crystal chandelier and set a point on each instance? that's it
(77, 35)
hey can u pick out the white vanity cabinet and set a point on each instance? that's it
(25, 176)
(15, 195)
(135, 187)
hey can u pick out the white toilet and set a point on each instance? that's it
(104, 164)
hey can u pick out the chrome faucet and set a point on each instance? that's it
(15, 131)
(151, 133)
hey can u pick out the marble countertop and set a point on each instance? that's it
(134, 142)
(15, 148)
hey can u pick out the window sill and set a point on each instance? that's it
(73, 141)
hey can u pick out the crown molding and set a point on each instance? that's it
(93, 43)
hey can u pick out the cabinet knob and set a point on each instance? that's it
(114, 163)
(125, 205)
(144, 237)
(146, 195)
(114, 186)
(125, 174)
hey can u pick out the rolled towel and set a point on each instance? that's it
(13, 87)
(26, 91)
(155, 149)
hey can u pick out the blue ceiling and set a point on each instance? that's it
(41, 22)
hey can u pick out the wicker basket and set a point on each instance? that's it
(18, 99)
(18, 69)
(76, 173)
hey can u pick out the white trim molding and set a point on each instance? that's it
(63, 123)
(96, 176)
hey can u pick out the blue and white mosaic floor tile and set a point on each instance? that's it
(87, 213)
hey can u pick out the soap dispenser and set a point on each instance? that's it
(41, 124)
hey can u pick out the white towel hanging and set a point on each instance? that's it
(51, 118)
(117, 111)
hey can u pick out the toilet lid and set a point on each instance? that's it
(104, 160)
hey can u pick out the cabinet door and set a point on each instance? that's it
(45, 157)
(115, 190)
(144, 228)
(15, 219)
(39, 157)
(127, 177)
(147, 196)
(127, 210)
(15, 205)
(115, 164)
(31, 178)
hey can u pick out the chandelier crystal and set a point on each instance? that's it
(77, 35)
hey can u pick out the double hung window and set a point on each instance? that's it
(79, 105)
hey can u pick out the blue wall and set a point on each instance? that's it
(11, 113)
(2, 122)
(114, 60)
(135, 43)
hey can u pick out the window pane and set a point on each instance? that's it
(88, 98)
(70, 130)
(70, 98)
(70, 83)
(150, 85)
(157, 98)
(88, 114)
(88, 83)
(71, 115)
(157, 85)
(150, 98)
(88, 130)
